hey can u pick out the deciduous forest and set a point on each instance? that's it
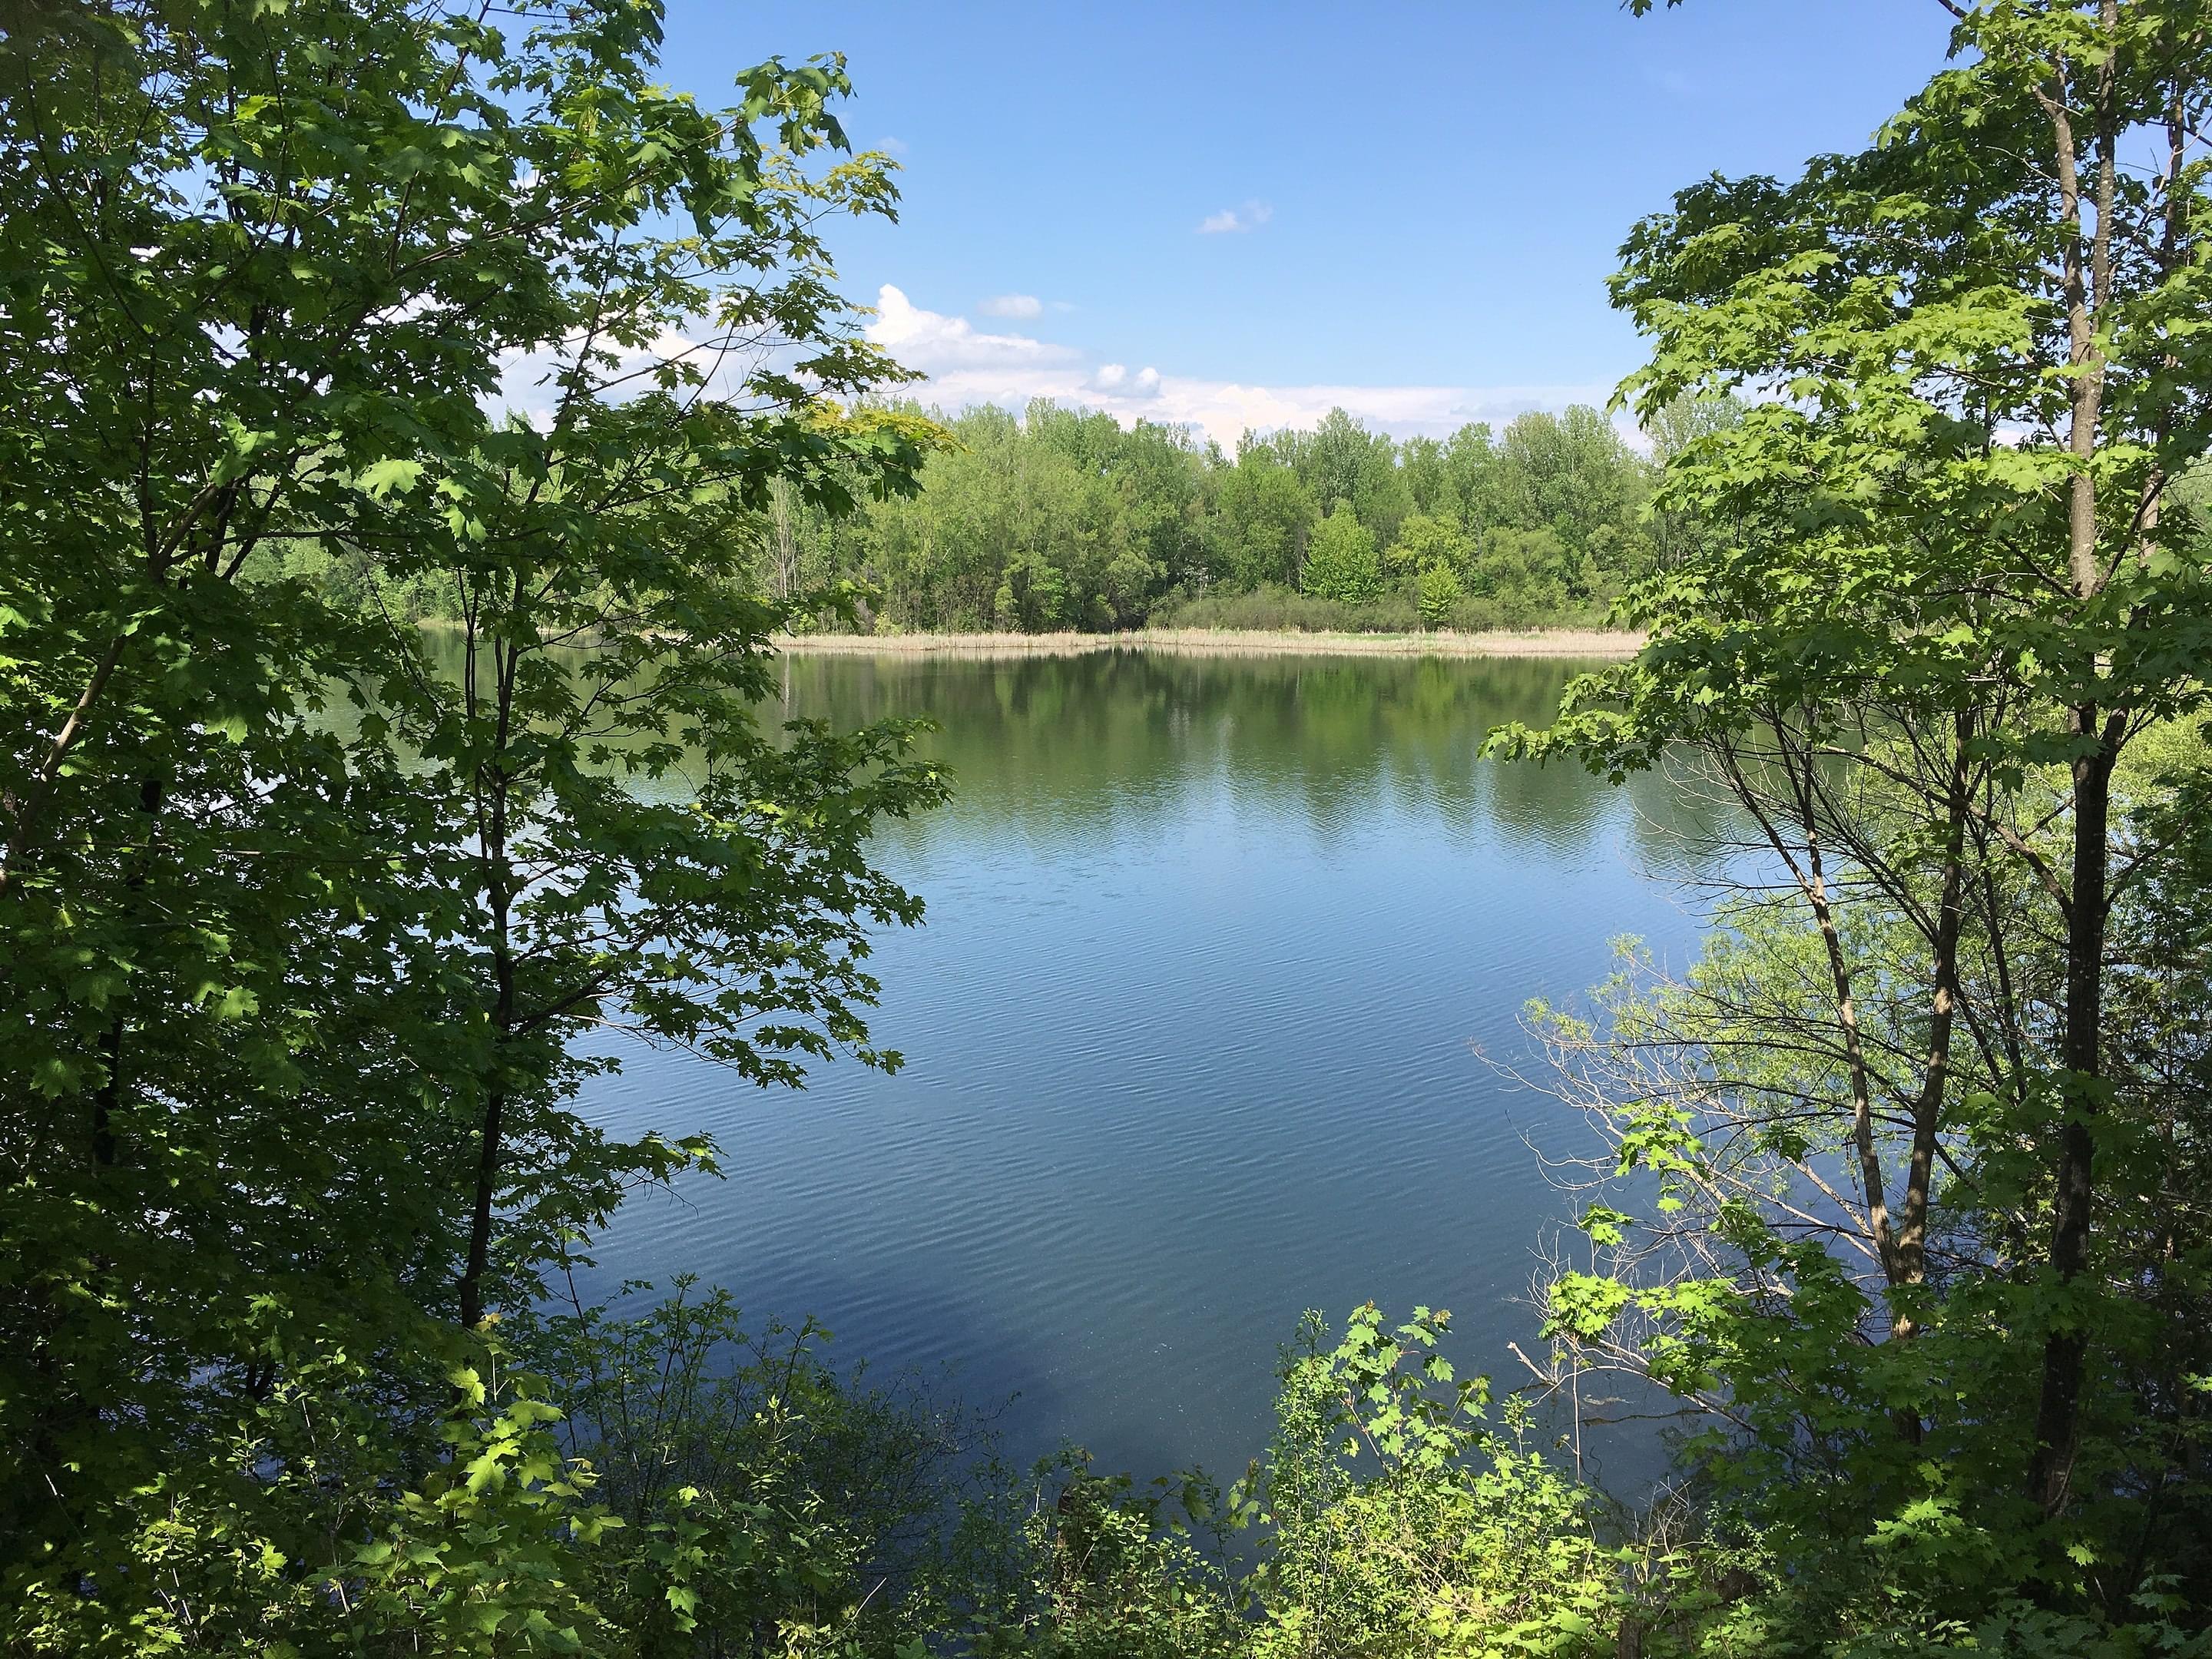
(1062, 519)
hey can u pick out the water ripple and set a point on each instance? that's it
(1188, 1033)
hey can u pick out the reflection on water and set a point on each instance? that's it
(1189, 1034)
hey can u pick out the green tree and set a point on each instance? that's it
(1675, 428)
(1427, 544)
(1958, 582)
(286, 1083)
(1470, 479)
(1575, 476)
(1524, 571)
(1423, 465)
(1265, 516)
(1341, 562)
(1161, 474)
(1435, 553)
(1339, 459)
(1439, 593)
(1073, 521)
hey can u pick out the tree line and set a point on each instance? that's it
(1065, 519)
(1899, 1200)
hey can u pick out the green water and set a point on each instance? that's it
(1191, 1033)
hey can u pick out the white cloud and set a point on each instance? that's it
(966, 367)
(1250, 216)
(1011, 305)
(932, 342)
(1116, 378)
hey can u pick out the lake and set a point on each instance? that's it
(1191, 1034)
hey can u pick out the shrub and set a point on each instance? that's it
(1282, 610)
(1341, 562)
(1440, 594)
(759, 1489)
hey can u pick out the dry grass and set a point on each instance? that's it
(1209, 641)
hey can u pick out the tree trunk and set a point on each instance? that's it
(2057, 1417)
(492, 786)
(1943, 1018)
(2088, 289)
(493, 1123)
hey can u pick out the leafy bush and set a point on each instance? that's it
(1341, 562)
(1387, 1520)
(1404, 1524)
(762, 1488)
(1440, 594)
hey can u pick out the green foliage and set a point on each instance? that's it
(1263, 516)
(1895, 1162)
(298, 930)
(1064, 521)
(761, 1488)
(1523, 572)
(304, 911)
(1403, 1525)
(1425, 544)
(1440, 594)
(1283, 610)
(1386, 1519)
(496, 1549)
(1573, 475)
(1117, 1570)
(1018, 529)
(1340, 560)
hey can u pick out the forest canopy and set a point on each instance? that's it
(1062, 519)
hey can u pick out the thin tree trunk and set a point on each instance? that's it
(107, 1099)
(2058, 1410)
(492, 1126)
(492, 786)
(31, 807)
(2057, 1417)
(786, 547)
(1928, 1108)
(1811, 876)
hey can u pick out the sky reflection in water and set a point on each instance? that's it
(1190, 1037)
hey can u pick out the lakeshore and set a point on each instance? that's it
(1211, 642)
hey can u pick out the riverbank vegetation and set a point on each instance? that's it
(1564, 642)
(1064, 520)
(1900, 1207)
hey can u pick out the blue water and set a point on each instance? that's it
(1192, 1034)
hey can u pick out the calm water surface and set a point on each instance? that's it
(1190, 1034)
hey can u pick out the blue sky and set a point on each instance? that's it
(1239, 214)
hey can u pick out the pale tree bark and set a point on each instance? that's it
(787, 546)
(1808, 868)
(1943, 1013)
(1898, 1237)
